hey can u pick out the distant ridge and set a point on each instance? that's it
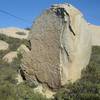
(12, 32)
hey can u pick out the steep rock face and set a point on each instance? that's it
(60, 47)
(42, 63)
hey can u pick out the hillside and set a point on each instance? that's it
(58, 59)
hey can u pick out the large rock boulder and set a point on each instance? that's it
(61, 43)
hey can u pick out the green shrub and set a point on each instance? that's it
(20, 33)
(28, 28)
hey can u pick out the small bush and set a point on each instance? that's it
(20, 33)
(28, 28)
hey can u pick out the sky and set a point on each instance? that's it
(28, 10)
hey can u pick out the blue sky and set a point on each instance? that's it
(30, 9)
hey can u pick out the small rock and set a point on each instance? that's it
(19, 79)
(10, 56)
(3, 45)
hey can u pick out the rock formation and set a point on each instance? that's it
(61, 42)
